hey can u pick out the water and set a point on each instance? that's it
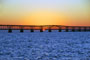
(44, 46)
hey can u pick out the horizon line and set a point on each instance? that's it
(37, 25)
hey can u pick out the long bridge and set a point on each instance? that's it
(42, 28)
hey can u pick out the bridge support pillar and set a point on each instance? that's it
(41, 30)
(73, 29)
(21, 30)
(79, 29)
(67, 30)
(60, 30)
(49, 30)
(9, 30)
(32, 30)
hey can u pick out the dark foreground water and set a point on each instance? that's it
(45, 46)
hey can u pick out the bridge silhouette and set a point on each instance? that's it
(42, 28)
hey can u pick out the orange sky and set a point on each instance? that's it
(45, 18)
(45, 12)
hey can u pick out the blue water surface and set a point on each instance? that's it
(44, 46)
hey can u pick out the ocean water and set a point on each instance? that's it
(44, 46)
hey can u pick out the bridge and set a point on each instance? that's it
(42, 28)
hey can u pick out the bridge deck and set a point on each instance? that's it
(43, 27)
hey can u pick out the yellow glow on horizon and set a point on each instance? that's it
(44, 18)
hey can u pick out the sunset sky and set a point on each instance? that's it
(45, 12)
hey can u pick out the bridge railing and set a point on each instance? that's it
(42, 28)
